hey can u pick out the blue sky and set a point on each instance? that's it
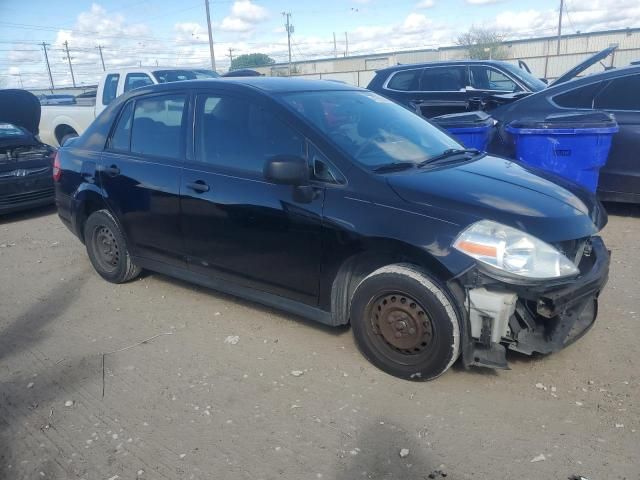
(174, 33)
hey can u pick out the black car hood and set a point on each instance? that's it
(506, 192)
(20, 108)
(581, 67)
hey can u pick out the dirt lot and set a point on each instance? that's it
(192, 403)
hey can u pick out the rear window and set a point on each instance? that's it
(165, 76)
(578, 97)
(405, 81)
(620, 94)
(110, 88)
(157, 126)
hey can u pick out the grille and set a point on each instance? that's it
(17, 198)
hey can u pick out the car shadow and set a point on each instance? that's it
(30, 214)
(623, 209)
(36, 401)
(378, 455)
(28, 328)
(336, 331)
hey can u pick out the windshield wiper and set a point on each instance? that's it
(450, 153)
(394, 166)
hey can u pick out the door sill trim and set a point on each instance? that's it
(240, 291)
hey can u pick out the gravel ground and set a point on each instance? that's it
(228, 389)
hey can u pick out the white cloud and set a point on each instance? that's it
(426, 4)
(245, 15)
(483, 2)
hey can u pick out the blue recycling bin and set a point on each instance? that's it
(573, 145)
(473, 129)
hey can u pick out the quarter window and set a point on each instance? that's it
(236, 133)
(110, 88)
(136, 80)
(157, 126)
(408, 80)
(620, 94)
(122, 133)
(443, 79)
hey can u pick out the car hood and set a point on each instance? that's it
(20, 108)
(581, 67)
(507, 192)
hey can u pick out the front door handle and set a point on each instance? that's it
(198, 186)
(112, 170)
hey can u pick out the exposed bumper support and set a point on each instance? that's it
(539, 318)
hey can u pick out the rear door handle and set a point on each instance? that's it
(198, 186)
(112, 170)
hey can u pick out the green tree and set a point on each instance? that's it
(483, 44)
(250, 60)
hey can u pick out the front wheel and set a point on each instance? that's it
(404, 323)
(107, 248)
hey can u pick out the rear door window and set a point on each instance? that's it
(136, 80)
(444, 79)
(158, 126)
(236, 133)
(620, 94)
(110, 88)
(405, 81)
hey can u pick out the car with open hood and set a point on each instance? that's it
(616, 92)
(25, 162)
(334, 203)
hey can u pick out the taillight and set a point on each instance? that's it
(57, 171)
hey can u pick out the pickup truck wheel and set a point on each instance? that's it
(67, 137)
(107, 248)
(404, 323)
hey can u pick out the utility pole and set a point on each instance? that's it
(99, 47)
(335, 46)
(73, 79)
(46, 59)
(230, 57)
(213, 55)
(560, 25)
(289, 28)
(346, 43)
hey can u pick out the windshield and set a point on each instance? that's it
(371, 129)
(8, 130)
(534, 84)
(165, 76)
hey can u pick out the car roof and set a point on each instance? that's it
(594, 77)
(263, 84)
(438, 63)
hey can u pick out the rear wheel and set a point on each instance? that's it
(107, 248)
(404, 323)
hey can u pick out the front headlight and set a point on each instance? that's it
(513, 252)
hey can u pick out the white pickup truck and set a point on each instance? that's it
(60, 122)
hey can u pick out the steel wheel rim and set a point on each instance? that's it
(106, 248)
(400, 327)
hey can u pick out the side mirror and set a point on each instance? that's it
(287, 170)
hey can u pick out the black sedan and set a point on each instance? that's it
(25, 162)
(334, 203)
(614, 91)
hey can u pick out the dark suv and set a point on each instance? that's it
(334, 203)
(439, 88)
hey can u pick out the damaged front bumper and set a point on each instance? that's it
(531, 318)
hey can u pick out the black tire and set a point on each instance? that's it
(107, 248)
(404, 323)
